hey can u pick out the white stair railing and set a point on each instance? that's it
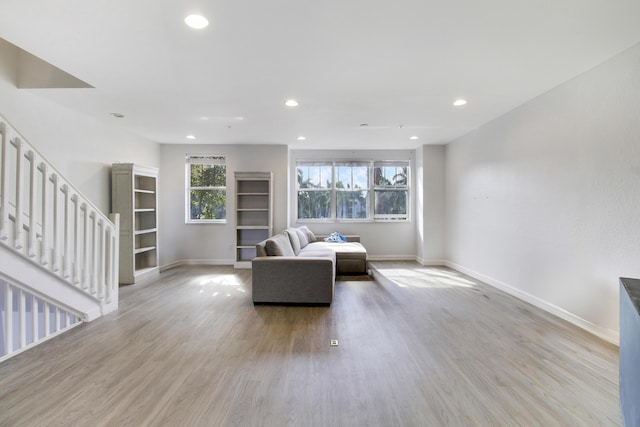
(27, 319)
(46, 220)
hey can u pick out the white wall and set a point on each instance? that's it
(545, 201)
(81, 148)
(430, 204)
(213, 243)
(383, 240)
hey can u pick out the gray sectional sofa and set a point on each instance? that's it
(297, 267)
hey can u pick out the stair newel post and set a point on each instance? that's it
(33, 182)
(54, 247)
(17, 237)
(112, 261)
(44, 250)
(66, 255)
(4, 181)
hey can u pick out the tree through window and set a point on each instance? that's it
(206, 189)
(353, 190)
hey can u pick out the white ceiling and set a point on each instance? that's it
(348, 62)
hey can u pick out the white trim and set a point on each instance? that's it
(391, 257)
(182, 262)
(608, 335)
(431, 262)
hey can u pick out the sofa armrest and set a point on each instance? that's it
(280, 279)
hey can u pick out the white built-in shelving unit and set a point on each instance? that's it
(134, 196)
(254, 213)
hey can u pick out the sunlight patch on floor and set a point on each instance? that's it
(219, 285)
(425, 278)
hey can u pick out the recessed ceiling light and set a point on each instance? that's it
(301, 138)
(459, 102)
(196, 21)
(117, 115)
(414, 137)
(291, 103)
(191, 137)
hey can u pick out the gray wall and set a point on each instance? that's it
(430, 204)
(213, 243)
(545, 200)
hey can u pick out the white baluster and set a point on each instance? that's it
(108, 263)
(31, 238)
(22, 318)
(94, 255)
(8, 317)
(54, 248)
(44, 250)
(85, 251)
(34, 318)
(56, 328)
(4, 183)
(76, 240)
(17, 237)
(102, 253)
(65, 229)
(47, 320)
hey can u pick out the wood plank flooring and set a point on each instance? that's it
(418, 346)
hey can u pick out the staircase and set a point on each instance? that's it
(58, 252)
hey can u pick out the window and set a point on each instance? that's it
(354, 190)
(315, 182)
(206, 199)
(391, 190)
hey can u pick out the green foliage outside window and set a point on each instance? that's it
(320, 185)
(390, 193)
(207, 191)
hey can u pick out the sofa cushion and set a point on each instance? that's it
(302, 236)
(294, 239)
(279, 245)
(310, 236)
(344, 250)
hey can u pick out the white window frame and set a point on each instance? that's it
(367, 190)
(203, 159)
(370, 191)
(397, 188)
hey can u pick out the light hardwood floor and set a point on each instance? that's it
(418, 346)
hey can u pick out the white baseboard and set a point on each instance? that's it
(606, 334)
(391, 257)
(196, 262)
(431, 262)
